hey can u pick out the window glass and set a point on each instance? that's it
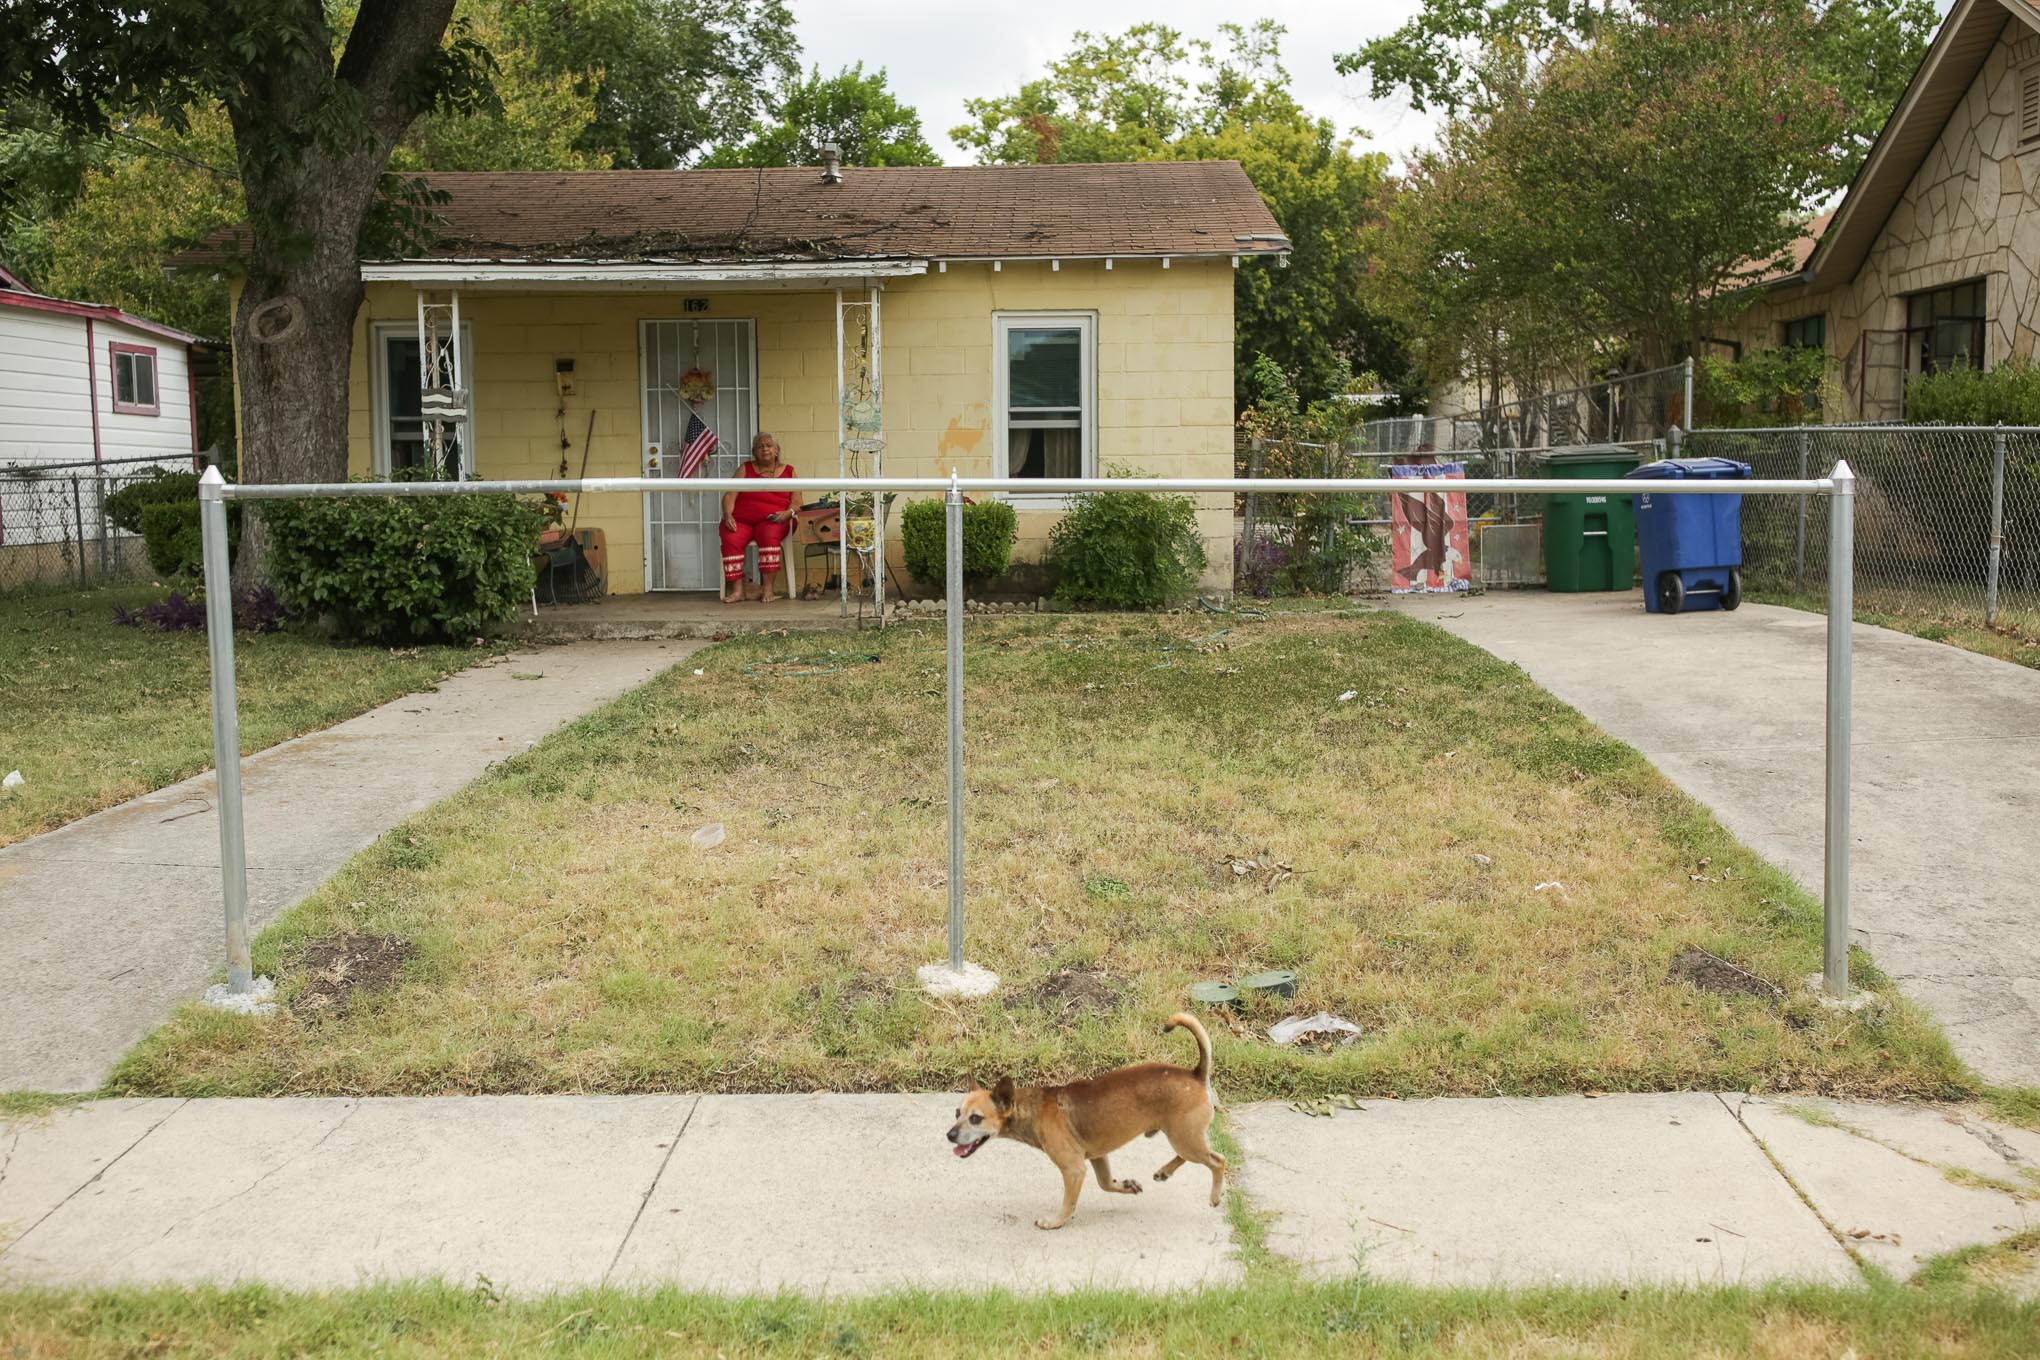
(403, 410)
(1944, 328)
(1045, 390)
(1808, 332)
(134, 380)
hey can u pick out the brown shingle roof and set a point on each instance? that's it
(911, 212)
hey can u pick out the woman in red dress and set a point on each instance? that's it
(763, 517)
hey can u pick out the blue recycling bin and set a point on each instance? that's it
(1691, 546)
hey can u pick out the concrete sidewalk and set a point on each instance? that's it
(107, 923)
(855, 1193)
(1946, 795)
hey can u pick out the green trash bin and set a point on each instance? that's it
(1590, 540)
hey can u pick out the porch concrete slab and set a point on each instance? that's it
(107, 923)
(1895, 1211)
(848, 1194)
(533, 1192)
(48, 1158)
(1947, 775)
(1659, 1188)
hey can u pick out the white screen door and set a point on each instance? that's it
(682, 551)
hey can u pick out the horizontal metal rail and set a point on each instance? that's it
(214, 491)
(936, 486)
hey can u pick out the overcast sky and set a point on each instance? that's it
(938, 53)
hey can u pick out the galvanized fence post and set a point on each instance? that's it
(1686, 410)
(1997, 529)
(1799, 549)
(219, 634)
(1841, 612)
(953, 524)
(78, 528)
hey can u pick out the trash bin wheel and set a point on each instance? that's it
(1671, 592)
(1731, 596)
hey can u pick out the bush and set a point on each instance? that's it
(2006, 395)
(124, 507)
(1127, 549)
(170, 536)
(988, 533)
(405, 569)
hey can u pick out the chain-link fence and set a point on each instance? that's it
(1271, 533)
(54, 531)
(1627, 409)
(1947, 518)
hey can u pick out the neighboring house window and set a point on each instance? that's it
(399, 426)
(1808, 332)
(1044, 385)
(1944, 328)
(134, 380)
(2029, 105)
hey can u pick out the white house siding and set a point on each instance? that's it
(46, 422)
(166, 435)
(44, 414)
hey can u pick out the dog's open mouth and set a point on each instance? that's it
(965, 1149)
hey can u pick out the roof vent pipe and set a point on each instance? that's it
(832, 163)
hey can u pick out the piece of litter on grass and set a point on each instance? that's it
(1482, 860)
(1553, 884)
(259, 999)
(708, 837)
(1323, 1025)
(13, 780)
(700, 671)
(1349, 696)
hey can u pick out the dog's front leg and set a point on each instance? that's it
(1103, 1167)
(1073, 1185)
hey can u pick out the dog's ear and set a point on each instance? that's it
(1002, 1095)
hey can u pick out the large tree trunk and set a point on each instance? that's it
(294, 327)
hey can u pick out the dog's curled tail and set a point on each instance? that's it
(1185, 1020)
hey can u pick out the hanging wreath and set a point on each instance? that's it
(696, 386)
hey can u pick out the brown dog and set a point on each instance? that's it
(1087, 1120)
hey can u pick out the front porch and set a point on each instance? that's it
(690, 614)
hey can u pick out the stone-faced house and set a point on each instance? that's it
(1931, 257)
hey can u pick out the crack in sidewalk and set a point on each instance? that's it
(6, 1247)
(657, 1176)
(1735, 1113)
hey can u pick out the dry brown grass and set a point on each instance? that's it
(567, 937)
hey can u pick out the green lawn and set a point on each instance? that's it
(1959, 622)
(1268, 1318)
(1491, 887)
(102, 713)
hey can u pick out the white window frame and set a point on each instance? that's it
(380, 333)
(1086, 324)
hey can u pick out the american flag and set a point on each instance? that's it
(701, 442)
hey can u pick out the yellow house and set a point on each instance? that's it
(1024, 320)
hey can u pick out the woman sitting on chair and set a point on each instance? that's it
(764, 517)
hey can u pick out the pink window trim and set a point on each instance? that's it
(114, 349)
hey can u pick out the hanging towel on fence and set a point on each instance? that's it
(1427, 535)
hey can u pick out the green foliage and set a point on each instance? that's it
(1305, 545)
(989, 528)
(124, 507)
(1131, 97)
(853, 110)
(1617, 184)
(1863, 51)
(538, 118)
(667, 77)
(1764, 387)
(1126, 549)
(2006, 395)
(405, 569)
(170, 536)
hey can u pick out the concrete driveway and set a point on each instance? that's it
(1947, 776)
